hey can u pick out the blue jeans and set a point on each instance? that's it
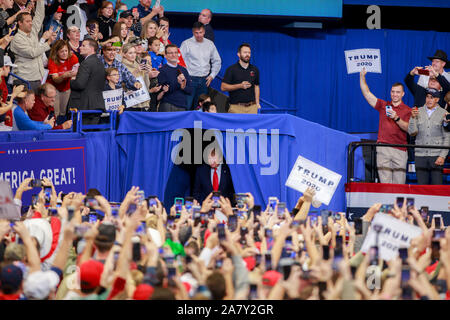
(198, 87)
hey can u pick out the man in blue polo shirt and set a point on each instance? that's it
(143, 8)
(175, 81)
(21, 120)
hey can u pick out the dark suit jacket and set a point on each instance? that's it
(420, 93)
(203, 186)
(88, 86)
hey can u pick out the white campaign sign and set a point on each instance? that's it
(306, 173)
(394, 234)
(133, 98)
(113, 99)
(363, 58)
(8, 210)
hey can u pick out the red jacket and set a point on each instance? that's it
(40, 112)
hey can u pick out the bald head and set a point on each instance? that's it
(205, 16)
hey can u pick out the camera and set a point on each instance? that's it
(36, 183)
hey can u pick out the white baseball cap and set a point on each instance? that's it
(7, 62)
(38, 285)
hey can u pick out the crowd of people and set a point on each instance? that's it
(426, 124)
(80, 51)
(82, 247)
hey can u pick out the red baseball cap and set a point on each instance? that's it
(250, 262)
(143, 292)
(90, 274)
(60, 9)
(271, 277)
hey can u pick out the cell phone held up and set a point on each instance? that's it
(423, 72)
(36, 183)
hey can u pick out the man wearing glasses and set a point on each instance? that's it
(175, 81)
(109, 61)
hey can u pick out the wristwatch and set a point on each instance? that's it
(397, 120)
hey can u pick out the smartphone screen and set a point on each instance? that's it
(400, 201)
(326, 252)
(189, 203)
(409, 202)
(171, 272)
(216, 198)
(358, 226)
(179, 202)
(325, 214)
(373, 255)
(232, 222)
(131, 208)
(424, 212)
(437, 221)
(136, 252)
(256, 210)
(268, 261)
(221, 231)
(92, 218)
(219, 263)
(70, 211)
(424, 72)
(253, 295)
(273, 203)
(47, 194)
(403, 254)
(268, 233)
(281, 209)
(152, 201)
(438, 234)
(258, 259)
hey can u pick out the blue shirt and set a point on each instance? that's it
(157, 60)
(124, 74)
(175, 95)
(143, 12)
(21, 121)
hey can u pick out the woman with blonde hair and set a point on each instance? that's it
(151, 29)
(62, 66)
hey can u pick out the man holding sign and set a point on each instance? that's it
(392, 128)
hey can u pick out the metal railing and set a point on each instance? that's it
(354, 145)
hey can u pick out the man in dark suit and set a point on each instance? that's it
(88, 86)
(214, 176)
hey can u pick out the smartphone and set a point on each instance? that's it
(188, 259)
(388, 108)
(36, 183)
(152, 201)
(81, 230)
(403, 254)
(53, 212)
(170, 221)
(256, 211)
(240, 200)
(189, 203)
(144, 61)
(272, 203)
(268, 261)
(437, 221)
(216, 198)
(253, 294)
(409, 203)
(447, 117)
(141, 195)
(172, 272)
(424, 72)
(137, 252)
(268, 233)
(232, 222)
(424, 212)
(51, 115)
(438, 234)
(219, 263)
(281, 209)
(406, 275)
(221, 231)
(358, 226)
(326, 252)
(400, 201)
(114, 211)
(34, 199)
(258, 259)
(70, 211)
(178, 202)
(93, 218)
(336, 216)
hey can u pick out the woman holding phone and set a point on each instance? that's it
(62, 66)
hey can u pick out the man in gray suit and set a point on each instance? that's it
(88, 86)
(426, 124)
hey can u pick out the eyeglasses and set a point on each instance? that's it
(113, 74)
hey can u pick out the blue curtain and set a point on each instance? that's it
(306, 69)
(146, 147)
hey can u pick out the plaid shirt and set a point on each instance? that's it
(125, 75)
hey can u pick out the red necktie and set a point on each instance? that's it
(215, 180)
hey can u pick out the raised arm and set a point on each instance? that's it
(370, 97)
